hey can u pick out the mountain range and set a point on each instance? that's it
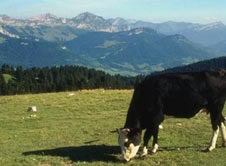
(205, 34)
(114, 45)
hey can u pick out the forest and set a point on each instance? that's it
(16, 80)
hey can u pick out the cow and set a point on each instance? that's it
(181, 95)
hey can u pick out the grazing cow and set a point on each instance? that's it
(182, 95)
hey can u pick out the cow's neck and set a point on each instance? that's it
(132, 121)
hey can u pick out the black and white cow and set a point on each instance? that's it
(181, 95)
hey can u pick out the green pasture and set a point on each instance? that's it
(73, 128)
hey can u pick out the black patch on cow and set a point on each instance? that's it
(134, 136)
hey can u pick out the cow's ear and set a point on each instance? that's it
(118, 130)
(114, 131)
(126, 130)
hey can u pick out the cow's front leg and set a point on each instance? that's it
(147, 136)
(155, 140)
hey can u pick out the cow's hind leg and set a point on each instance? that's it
(155, 140)
(216, 121)
(147, 136)
(213, 140)
(223, 131)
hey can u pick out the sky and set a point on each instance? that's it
(196, 11)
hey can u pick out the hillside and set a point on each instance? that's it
(31, 52)
(221, 46)
(138, 51)
(211, 64)
(73, 128)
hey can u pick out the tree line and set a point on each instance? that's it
(16, 80)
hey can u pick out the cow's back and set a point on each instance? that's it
(183, 94)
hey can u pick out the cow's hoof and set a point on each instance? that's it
(143, 154)
(124, 159)
(155, 148)
(154, 151)
(208, 149)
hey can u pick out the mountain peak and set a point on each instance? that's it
(216, 24)
(118, 21)
(211, 26)
(4, 18)
(87, 16)
(41, 17)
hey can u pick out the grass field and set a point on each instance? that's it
(73, 128)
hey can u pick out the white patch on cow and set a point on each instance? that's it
(223, 134)
(133, 150)
(126, 140)
(160, 126)
(127, 152)
(155, 148)
(130, 152)
(213, 140)
(144, 152)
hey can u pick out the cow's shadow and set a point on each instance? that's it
(93, 153)
(86, 153)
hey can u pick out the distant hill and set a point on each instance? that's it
(138, 51)
(215, 63)
(204, 34)
(29, 53)
(221, 46)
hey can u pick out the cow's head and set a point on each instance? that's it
(129, 141)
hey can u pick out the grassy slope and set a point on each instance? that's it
(7, 77)
(74, 130)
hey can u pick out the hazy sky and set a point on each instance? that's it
(199, 11)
